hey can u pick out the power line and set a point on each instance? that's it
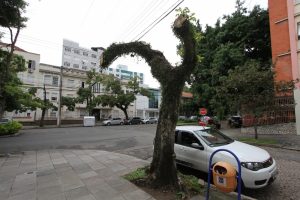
(143, 17)
(155, 22)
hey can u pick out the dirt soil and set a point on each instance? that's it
(162, 193)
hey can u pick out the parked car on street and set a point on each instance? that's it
(195, 144)
(113, 121)
(133, 120)
(150, 120)
(209, 121)
(235, 121)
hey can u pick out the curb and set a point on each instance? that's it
(274, 146)
(12, 135)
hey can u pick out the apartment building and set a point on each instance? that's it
(284, 17)
(122, 72)
(76, 57)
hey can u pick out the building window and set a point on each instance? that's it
(70, 83)
(55, 80)
(75, 66)
(82, 84)
(84, 67)
(76, 51)
(94, 56)
(85, 53)
(68, 49)
(54, 96)
(67, 64)
(31, 64)
(96, 88)
(51, 80)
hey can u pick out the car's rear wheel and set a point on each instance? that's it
(147, 122)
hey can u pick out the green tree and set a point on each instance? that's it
(36, 102)
(11, 12)
(86, 95)
(250, 90)
(172, 79)
(69, 102)
(242, 36)
(121, 97)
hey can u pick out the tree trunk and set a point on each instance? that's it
(163, 167)
(2, 108)
(44, 107)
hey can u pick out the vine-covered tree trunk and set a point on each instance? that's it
(172, 79)
(44, 108)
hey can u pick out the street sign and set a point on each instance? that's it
(203, 111)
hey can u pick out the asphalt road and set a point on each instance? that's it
(136, 140)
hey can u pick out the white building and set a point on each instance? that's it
(122, 72)
(76, 57)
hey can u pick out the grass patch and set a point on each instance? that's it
(258, 141)
(140, 173)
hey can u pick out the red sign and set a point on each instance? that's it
(203, 111)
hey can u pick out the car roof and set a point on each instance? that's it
(191, 128)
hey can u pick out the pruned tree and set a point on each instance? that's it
(121, 94)
(172, 79)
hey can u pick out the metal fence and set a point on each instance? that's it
(284, 113)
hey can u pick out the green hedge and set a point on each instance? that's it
(10, 128)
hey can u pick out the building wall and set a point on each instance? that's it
(74, 56)
(280, 39)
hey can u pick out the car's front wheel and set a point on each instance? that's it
(121, 123)
(108, 124)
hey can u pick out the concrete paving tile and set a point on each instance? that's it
(137, 194)
(105, 172)
(77, 193)
(105, 192)
(87, 197)
(59, 196)
(20, 189)
(121, 185)
(70, 180)
(88, 174)
(95, 165)
(31, 195)
(82, 168)
(116, 167)
(47, 192)
(94, 184)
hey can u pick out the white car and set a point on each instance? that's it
(195, 144)
(150, 120)
(113, 121)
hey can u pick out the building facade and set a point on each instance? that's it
(284, 16)
(122, 72)
(76, 57)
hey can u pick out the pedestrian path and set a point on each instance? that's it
(69, 175)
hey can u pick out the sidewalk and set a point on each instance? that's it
(69, 175)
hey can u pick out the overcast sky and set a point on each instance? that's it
(101, 22)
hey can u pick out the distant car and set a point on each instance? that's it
(113, 121)
(235, 121)
(195, 144)
(209, 121)
(193, 117)
(133, 120)
(5, 120)
(150, 120)
(182, 117)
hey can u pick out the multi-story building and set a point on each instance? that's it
(122, 72)
(76, 57)
(284, 16)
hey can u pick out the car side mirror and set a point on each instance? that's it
(197, 146)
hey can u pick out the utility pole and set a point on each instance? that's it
(59, 98)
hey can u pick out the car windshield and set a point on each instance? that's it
(213, 137)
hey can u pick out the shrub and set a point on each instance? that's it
(10, 128)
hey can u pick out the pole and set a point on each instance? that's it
(59, 98)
